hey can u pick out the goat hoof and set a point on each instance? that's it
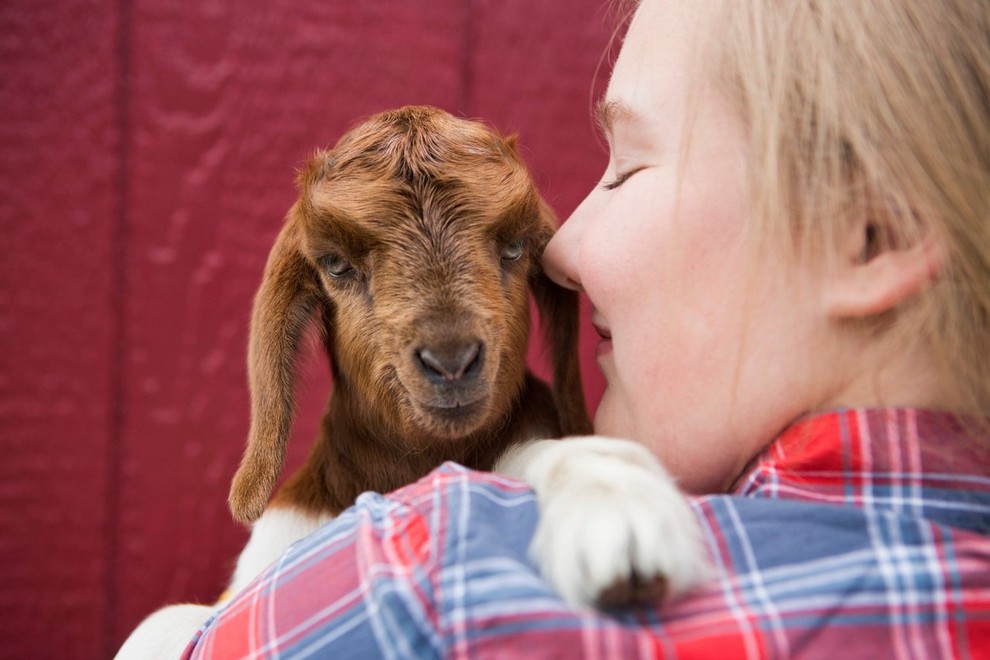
(634, 590)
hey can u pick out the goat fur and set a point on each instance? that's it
(418, 205)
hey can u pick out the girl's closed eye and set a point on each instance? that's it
(620, 179)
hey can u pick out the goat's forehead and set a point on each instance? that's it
(419, 173)
(459, 201)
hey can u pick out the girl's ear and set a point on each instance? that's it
(559, 319)
(878, 272)
(283, 307)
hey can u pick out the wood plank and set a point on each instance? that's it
(59, 143)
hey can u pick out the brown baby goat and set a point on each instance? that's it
(415, 241)
(414, 245)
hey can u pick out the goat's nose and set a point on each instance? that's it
(450, 361)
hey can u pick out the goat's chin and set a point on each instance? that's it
(447, 411)
(452, 420)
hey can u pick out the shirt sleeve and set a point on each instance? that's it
(372, 582)
(361, 586)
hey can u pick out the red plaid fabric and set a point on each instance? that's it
(857, 534)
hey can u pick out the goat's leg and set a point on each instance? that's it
(614, 529)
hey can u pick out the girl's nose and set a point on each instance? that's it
(560, 258)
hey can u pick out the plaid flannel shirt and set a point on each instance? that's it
(857, 534)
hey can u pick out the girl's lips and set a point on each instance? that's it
(605, 345)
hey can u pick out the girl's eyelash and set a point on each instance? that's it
(619, 180)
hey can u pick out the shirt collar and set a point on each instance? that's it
(877, 458)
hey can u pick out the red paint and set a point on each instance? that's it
(147, 160)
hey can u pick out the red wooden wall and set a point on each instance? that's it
(147, 151)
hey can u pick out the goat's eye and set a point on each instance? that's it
(336, 265)
(512, 251)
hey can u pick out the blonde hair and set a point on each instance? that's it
(882, 107)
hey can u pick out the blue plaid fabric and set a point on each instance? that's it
(857, 534)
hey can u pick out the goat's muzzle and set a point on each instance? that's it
(451, 362)
(450, 381)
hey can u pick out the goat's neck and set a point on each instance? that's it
(358, 450)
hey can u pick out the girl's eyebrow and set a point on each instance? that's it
(608, 112)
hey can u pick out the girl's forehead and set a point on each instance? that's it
(659, 68)
(660, 59)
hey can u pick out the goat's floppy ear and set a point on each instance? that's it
(283, 307)
(559, 319)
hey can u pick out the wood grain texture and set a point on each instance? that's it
(58, 185)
